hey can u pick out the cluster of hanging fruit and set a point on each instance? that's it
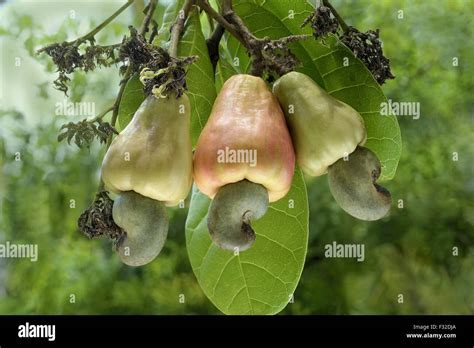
(149, 165)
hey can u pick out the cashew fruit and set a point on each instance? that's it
(146, 225)
(244, 159)
(352, 182)
(323, 128)
(245, 117)
(153, 154)
(149, 165)
(327, 135)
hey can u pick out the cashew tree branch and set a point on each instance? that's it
(213, 44)
(90, 35)
(178, 27)
(265, 53)
(204, 5)
(148, 16)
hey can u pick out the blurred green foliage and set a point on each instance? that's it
(409, 253)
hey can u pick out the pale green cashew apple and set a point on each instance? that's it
(325, 133)
(149, 166)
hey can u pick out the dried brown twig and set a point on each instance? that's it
(268, 56)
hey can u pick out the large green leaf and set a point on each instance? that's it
(262, 279)
(200, 75)
(332, 65)
(132, 97)
(224, 70)
(169, 17)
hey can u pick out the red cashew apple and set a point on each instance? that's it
(246, 146)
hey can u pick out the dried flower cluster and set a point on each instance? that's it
(84, 132)
(97, 220)
(67, 57)
(368, 48)
(322, 22)
(365, 46)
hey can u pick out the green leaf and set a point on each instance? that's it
(262, 279)
(200, 75)
(324, 63)
(169, 17)
(224, 70)
(132, 97)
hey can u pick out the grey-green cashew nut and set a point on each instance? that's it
(231, 212)
(146, 225)
(353, 185)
